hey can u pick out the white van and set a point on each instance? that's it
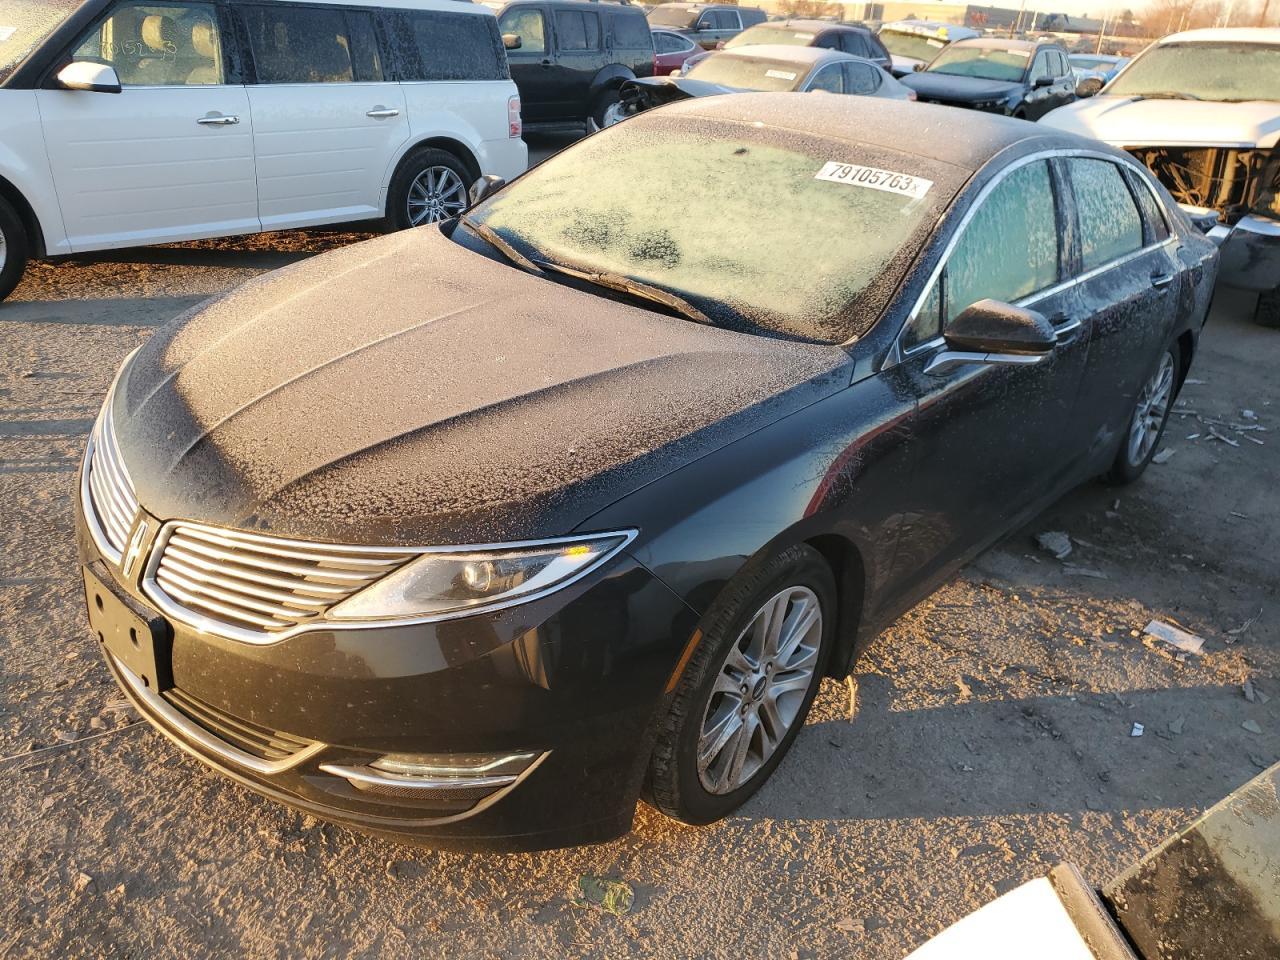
(127, 122)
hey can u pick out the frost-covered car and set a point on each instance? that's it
(476, 532)
(761, 68)
(1019, 78)
(1202, 110)
(913, 43)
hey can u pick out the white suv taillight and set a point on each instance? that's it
(514, 124)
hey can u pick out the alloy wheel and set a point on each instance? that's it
(437, 193)
(759, 690)
(613, 114)
(4, 252)
(1149, 415)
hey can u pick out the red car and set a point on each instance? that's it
(670, 50)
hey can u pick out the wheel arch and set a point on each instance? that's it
(458, 148)
(612, 76)
(27, 214)
(1186, 344)
(845, 560)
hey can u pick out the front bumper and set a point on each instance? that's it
(573, 680)
(1250, 253)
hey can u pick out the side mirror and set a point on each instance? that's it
(917, 67)
(1042, 82)
(990, 326)
(1089, 86)
(512, 41)
(84, 75)
(489, 184)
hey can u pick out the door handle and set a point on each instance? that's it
(1161, 280)
(218, 121)
(381, 113)
(1063, 326)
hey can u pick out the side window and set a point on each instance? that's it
(1157, 227)
(850, 42)
(293, 44)
(529, 26)
(861, 78)
(630, 31)
(928, 321)
(830, 78)
(1109, 223)
(152, 45)
(667, 43)
(878, 50)
(828, 41)
(457, 46)
(1040, 68)
(1009, 250)
(576, 30)
(365, 58)
(1060, 66)
(725, 20)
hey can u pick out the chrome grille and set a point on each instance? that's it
(251, 587)
(251, 738)
(110, 502)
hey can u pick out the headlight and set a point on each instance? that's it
(466, 580)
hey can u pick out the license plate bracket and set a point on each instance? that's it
(137, 637)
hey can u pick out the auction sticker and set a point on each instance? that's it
(6, 33)
(874, 178)
(780, 74)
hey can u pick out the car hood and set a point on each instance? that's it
(1132, 121)
(669, 89)
(408, 390)
(942, 86)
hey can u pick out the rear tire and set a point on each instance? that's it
(430, 185)
(15, 248)
(737, 681)
(600, 108)
(1267, 313)
(1147, 422)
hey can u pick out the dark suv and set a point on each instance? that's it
(706, 24)
(1019, 78)
(569, 57)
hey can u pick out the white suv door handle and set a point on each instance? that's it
(381, 113)
(218, 121)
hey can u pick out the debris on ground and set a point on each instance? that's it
(1258, 762)
(611, 896)
(850, 925)
(1176, 637)
(1252, 726)
(1247, 689)
(1175, 726)
(1071, 570)
(1225, 439)
(1138, 729)
(82, 882)
(1055, 543)
(1238, 631)
(1248, 415)
(1164, 456)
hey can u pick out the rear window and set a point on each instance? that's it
(666, 15)
(763, 33)
(455, 46)
(749, 73)
(1109, 223)
(631, 30)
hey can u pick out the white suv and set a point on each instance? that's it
(126, 122)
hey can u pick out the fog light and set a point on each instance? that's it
(453, 764)
(454, 780)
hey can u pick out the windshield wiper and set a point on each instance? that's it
(491, 237)
(637, 288)
(1166, 95)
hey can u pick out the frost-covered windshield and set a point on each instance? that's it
(24, 24)
(763, 230)
(665, 15)
(749, 73)
(988, 63)
(913, 45)
(1225, 72)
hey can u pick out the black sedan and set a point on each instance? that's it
(1019, 78)
(479, 532)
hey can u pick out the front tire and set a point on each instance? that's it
(600, 109)
(1148, 420)
(430, 185)
(747, 689)
(15, 248)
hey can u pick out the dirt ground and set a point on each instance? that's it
(989, 737)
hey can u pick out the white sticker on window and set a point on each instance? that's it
(779, 74)
(935, 43)
(1023, 54)
(874, 178)
(6, 33)
(803, 36)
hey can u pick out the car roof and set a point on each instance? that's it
(1237, 34)
(787, 53)
(932, 27)
(592, 4)
(1096, 56)
(815, 25)
(452, 6)
(996, 43)
(919, 129)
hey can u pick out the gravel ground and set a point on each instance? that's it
(986, 735)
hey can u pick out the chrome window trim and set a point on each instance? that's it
(213, 627)
(899, 352)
